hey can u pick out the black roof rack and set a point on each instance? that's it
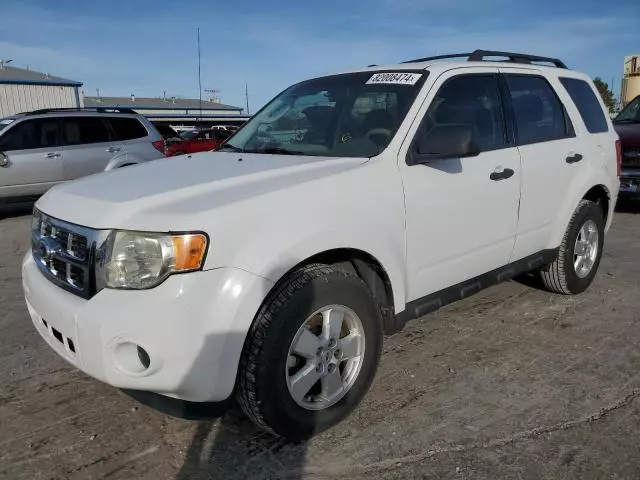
(480, 56)
(82, 109)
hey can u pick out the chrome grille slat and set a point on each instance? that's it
(63, 252)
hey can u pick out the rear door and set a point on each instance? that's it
(88, 145)
(135, 138)
(34, 154)
(550, 152)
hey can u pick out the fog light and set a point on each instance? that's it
(131, 359)
(143, 356)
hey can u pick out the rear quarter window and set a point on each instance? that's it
(587, 104)
(127, 128)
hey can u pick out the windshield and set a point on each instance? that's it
(630, 113)
(188, 134)
(352, 115)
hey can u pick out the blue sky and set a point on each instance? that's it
(143, 47)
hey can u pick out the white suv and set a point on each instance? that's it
(269, 271)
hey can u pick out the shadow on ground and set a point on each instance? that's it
(628, 205)
(18, 210)
(234, 448)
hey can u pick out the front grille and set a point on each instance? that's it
(631, 156)
(64, 253)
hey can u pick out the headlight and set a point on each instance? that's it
(138, 260)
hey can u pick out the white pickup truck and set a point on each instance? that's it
(270, 271)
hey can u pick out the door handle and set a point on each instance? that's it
(52, 155)
(501, 175)
(113, 149)
(576, 157)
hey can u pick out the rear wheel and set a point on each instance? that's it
(311, 353)
(579, 253)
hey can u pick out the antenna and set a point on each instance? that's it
(199, 79)
(246, 96)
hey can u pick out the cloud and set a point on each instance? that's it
(272, 45)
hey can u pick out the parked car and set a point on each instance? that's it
(45, 147)
(627, 124)
(269, 271)
(169, 134)
(198, 141)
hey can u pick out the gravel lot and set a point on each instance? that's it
(513, 382)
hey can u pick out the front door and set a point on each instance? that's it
(461, 213)
(33, 158)
(89, 145)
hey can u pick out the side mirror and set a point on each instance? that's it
(4, 160)
(446, 141)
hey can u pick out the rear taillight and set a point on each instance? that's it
(160, 146)
(619, 156)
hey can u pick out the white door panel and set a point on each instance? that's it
(551, 154)
(461, 223)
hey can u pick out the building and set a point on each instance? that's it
(23, 90)
(174, 111)
(630, 80)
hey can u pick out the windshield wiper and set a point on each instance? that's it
(233, 148)
(627, 120)
(275, 151)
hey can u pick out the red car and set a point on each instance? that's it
(197, 141)
(627, 125)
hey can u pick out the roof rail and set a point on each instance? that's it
(480, 56)
(82, 109)
(439, 57)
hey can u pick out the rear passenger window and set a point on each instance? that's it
(84, 130)
(127, 128)
(585, 99)
(540, 117)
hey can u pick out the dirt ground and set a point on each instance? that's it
(511, 383)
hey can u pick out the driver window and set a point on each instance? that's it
(30, 134)
(471, 101)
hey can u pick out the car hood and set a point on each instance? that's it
(170, 194)
(629, 134)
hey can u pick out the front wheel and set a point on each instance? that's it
(311, 353)
(579, 253)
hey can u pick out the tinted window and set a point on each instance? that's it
(539, 114)
(469, 100)
(128, 128)
(40, 133)
(588, 106)
(84, 130)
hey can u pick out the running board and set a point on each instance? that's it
(430, 303)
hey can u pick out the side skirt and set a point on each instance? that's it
(429, 303)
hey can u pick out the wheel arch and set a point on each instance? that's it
(597, 192)
(364, 265)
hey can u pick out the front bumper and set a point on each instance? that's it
(192, 326)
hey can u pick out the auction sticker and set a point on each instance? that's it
(396, 78)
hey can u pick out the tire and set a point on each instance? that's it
(263, 389)
(179, 152)
(561, 275)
